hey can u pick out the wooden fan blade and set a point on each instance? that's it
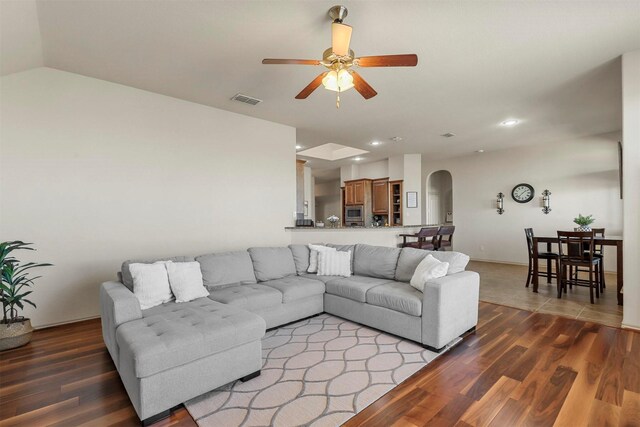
(409, 60)
(311, 87)
(291, 61)
(362, 86)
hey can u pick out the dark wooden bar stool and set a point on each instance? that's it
(535, 256)
(445, 237)
(426, 239)
(580, 252)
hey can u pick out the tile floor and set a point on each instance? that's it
(504, 284)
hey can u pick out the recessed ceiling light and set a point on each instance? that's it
(479, 151)
(510, 122)
(299, 147)
(396, 138)
(375, 143)
(357, 159)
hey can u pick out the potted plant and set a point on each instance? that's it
(333, 220)
(15, 330)
(584, 222)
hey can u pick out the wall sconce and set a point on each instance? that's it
(500, 203)
(546, 201)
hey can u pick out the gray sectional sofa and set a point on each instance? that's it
(176, 351)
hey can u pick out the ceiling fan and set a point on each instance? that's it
(339, 60)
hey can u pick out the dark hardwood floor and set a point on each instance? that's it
(520, 368)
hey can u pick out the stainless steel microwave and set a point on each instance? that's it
(354, 214)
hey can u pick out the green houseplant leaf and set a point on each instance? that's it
(16, 281)
(584, 221)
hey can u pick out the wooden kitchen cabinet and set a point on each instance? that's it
(395, 193)
(348, 194)
(358, 192)
(380, 195)
(354, 192)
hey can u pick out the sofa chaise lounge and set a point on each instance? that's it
(173, 352)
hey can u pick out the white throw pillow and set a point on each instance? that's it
(185, 279)
(313, 256)
(150, 284)
(428, 269)
(334, 263)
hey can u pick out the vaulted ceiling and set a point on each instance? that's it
(553, 65)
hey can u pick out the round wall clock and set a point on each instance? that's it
(522, 193)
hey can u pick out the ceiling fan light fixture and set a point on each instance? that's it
(338, 81)
(340, 38)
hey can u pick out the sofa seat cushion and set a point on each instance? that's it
(175, 334)
(296, 287)
(323, 279)
(354, 287)
(397, 296)
(250, 297)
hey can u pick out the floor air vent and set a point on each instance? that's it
(246, 99)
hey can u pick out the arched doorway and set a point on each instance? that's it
(440, 197)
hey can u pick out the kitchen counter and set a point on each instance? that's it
(380, 236)
(326, 228)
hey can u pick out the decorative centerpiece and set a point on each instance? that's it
(333, 220)
(15, 330)
(584, 222)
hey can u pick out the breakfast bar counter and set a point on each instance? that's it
(381, 236)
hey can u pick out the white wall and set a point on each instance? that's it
(439, 186)
(373, 170)
(412, 182)
(631, 177)
(396, 168)
(95, 173)
(20, 41)
(581, 174)
(328, 200)
(309, 194)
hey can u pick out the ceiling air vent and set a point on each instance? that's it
(448, 134)
(246, 99)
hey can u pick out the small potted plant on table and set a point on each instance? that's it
(583, 222)
(15, 330)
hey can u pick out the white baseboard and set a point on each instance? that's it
(51, 325)
(518, 263)
(630, 327)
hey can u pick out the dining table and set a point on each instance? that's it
(597, 240)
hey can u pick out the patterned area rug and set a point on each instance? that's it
(317, 372)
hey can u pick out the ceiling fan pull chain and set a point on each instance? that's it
(338, 98)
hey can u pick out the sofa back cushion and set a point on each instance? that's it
(375, 261)
(127, 279)
(410, 258)
(225, 268)
(272, 263)
(300, 257)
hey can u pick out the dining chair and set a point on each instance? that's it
(426, 239)
(579, 252)
(533, 258)
(445, 237)
(598, 252)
